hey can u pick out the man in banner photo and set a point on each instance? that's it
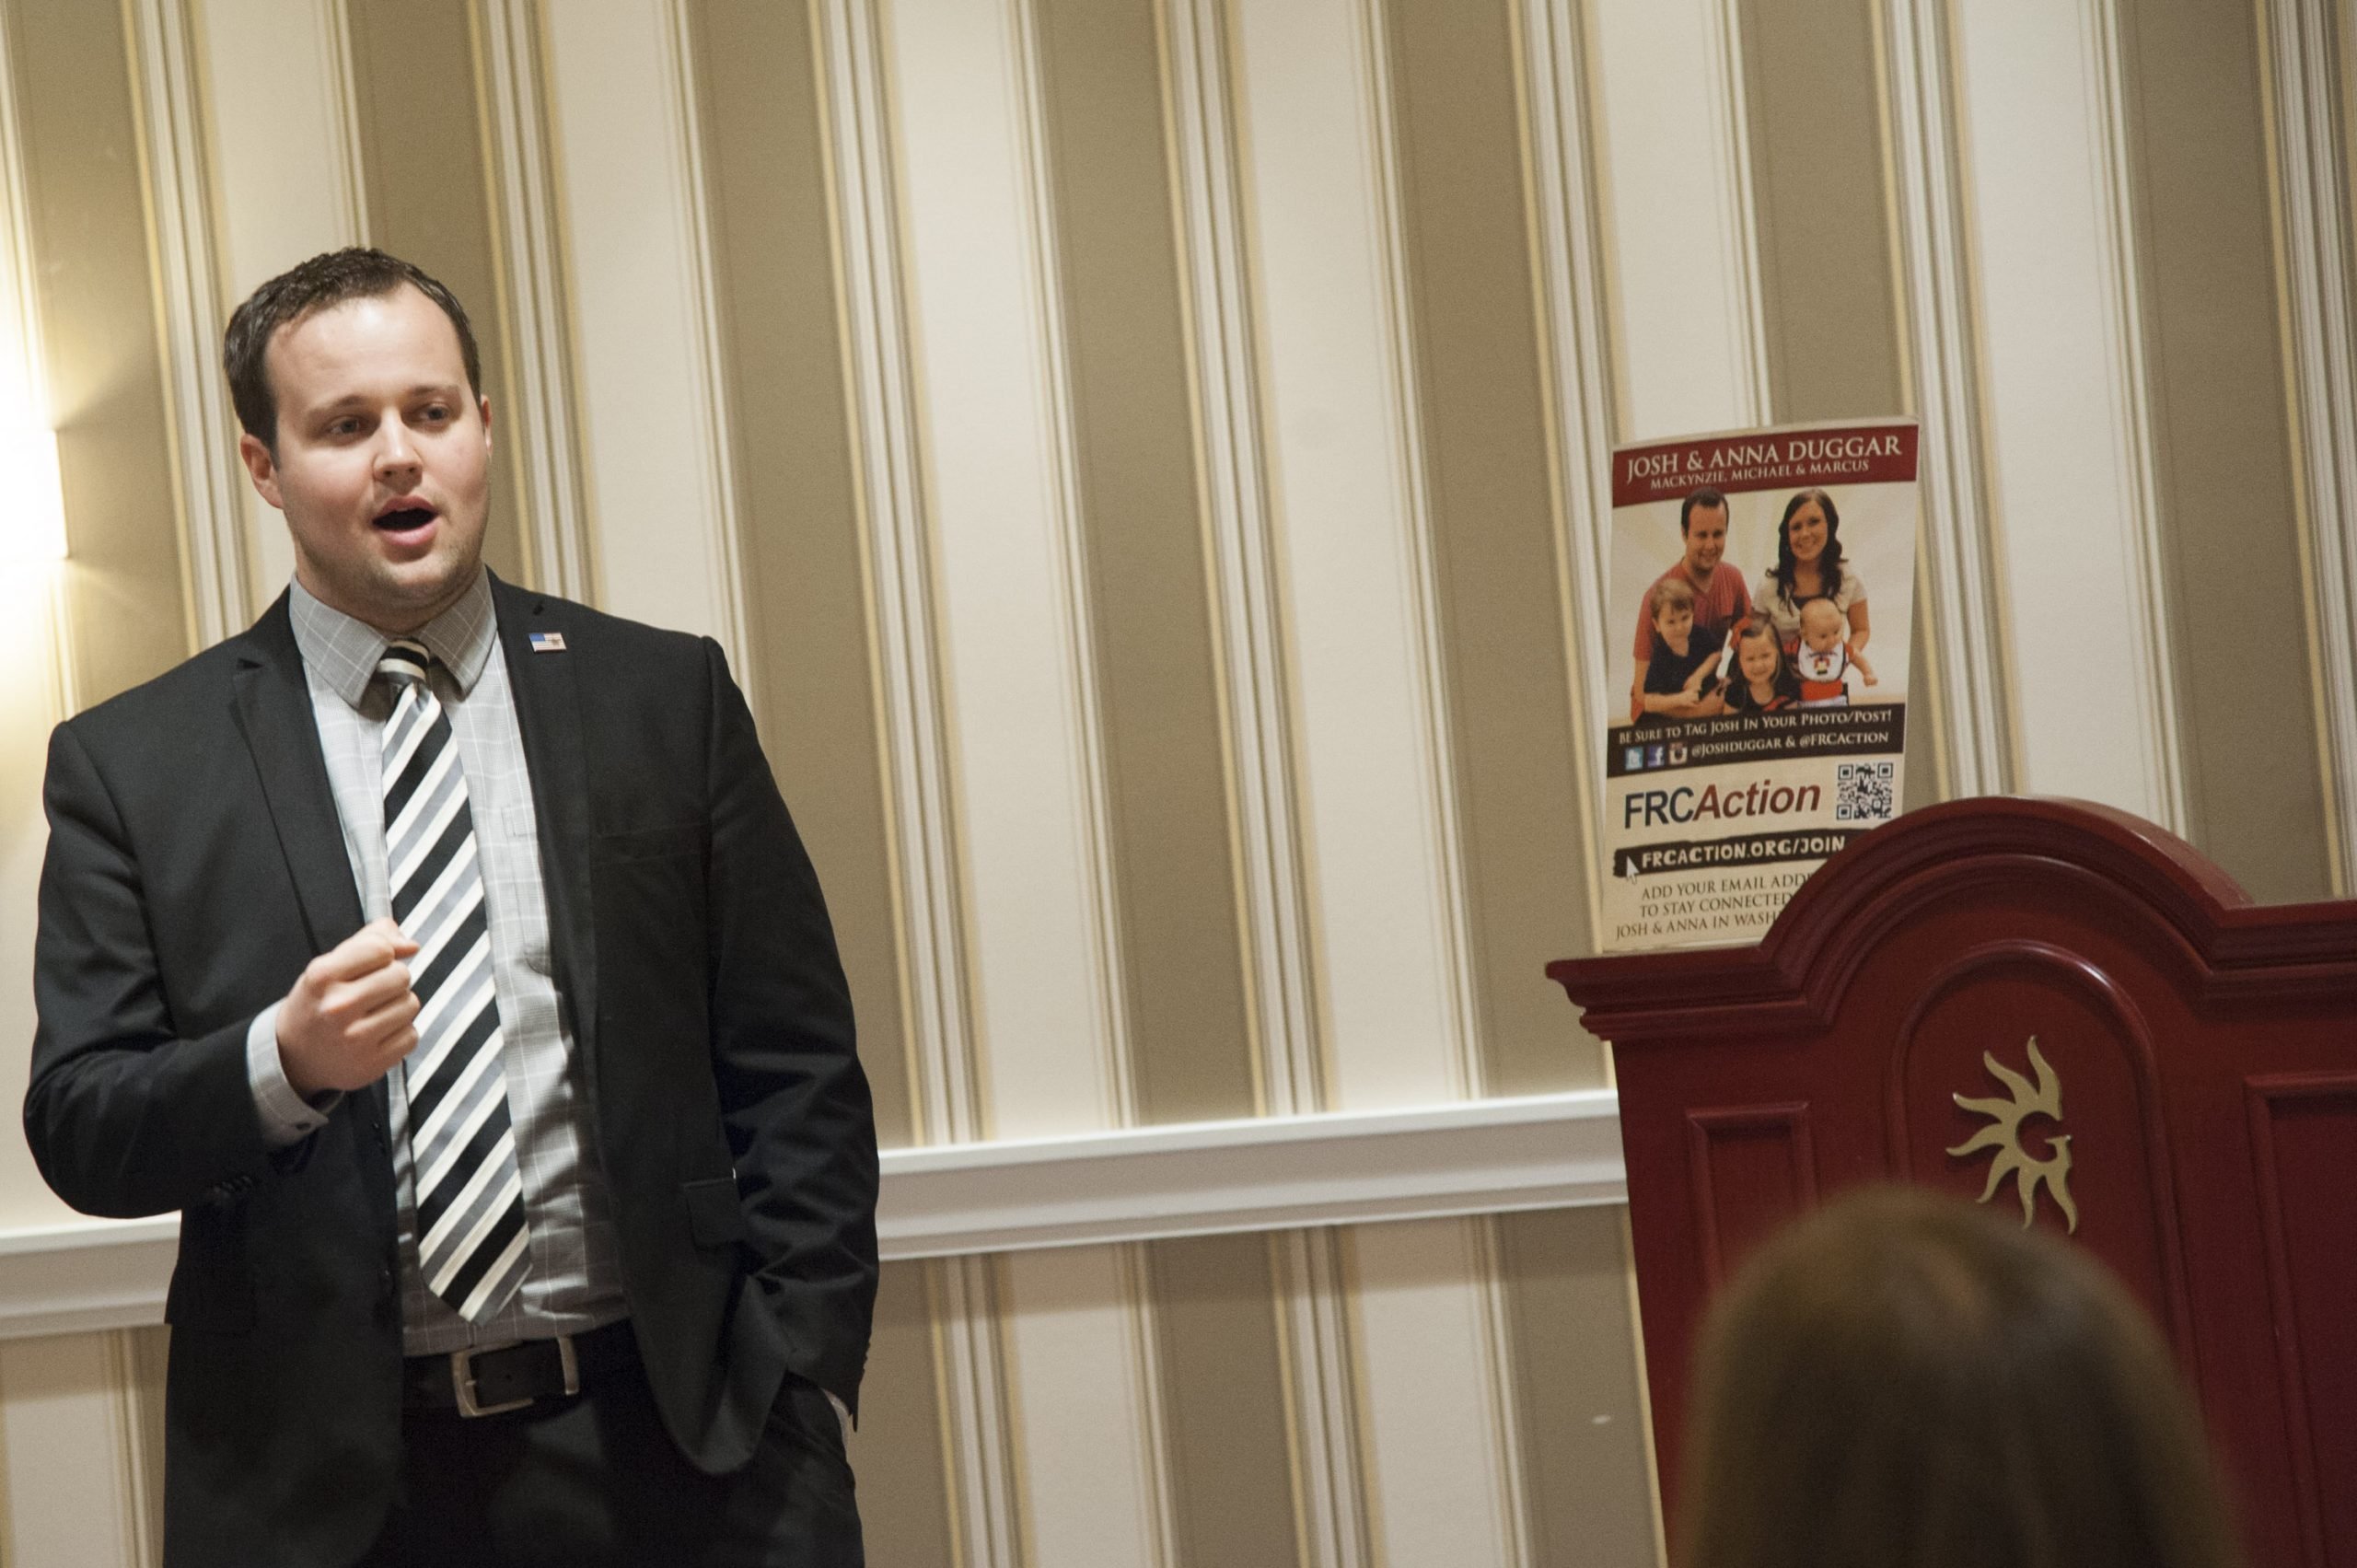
(1767, 681)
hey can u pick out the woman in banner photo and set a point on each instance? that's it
(1809, 565)
(1760, 678)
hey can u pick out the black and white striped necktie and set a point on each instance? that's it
(470, 1234)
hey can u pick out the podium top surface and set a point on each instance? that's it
(2054, 860)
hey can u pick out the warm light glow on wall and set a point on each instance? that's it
(32, 496)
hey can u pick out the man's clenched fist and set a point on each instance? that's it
(352, 1015)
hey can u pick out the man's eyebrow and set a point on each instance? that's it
(363, 399)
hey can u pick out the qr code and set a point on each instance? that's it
(1861, 791)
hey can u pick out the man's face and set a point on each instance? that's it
(383, 458)
(1706, 539)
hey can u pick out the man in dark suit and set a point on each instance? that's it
(444, 953)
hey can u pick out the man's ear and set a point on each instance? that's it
(483, 407)
(261, 468)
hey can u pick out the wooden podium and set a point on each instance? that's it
(2192, 1103)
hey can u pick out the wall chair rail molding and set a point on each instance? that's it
(963, 1199)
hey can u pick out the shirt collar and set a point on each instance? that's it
(345, 651)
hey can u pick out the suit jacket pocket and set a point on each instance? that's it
(649, 843)
(715, 1215)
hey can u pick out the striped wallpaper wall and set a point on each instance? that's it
(1143, 458)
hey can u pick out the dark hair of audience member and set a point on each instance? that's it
(1903, 1380)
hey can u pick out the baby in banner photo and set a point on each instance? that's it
(1827, 655)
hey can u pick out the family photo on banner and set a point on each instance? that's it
(1766, 581)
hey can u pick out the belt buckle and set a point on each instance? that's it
(462, 1378)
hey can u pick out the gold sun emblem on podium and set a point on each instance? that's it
(2003, 1134)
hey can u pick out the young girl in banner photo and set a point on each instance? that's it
(1759, 678)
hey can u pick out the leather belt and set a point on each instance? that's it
(490, 1382)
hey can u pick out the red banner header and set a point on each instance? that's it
(1785, 459)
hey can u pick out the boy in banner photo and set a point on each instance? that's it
(1770, 576)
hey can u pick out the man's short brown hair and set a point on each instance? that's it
(326, 280)
(1705, 499)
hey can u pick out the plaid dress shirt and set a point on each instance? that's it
(573, 1279)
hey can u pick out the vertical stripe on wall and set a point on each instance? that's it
(1017, 663)
(661, 512)
(1142, 527)
(285, 169)
(1576, 311)
(422, 146)
(1437, 1431)
(1955, 545)
(144, 1357)
(2062, 380)
(534, 311)
(879, 321)
(1340, 454)
(1312, 1319)
(808, 618)
(1828, 277)
(76, 1472)
(1313, 102)
(1668, 99)
(897, 1453)
(1223, 1406)
(210, 480)
(1827, 284)
(33, 645)
(1085, 1393)
(2307, 51)
(1482, 399)
(980, 277)
(2227, 494)
(94, 297)
(1587, 1491)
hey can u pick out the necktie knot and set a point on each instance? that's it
(404, 662)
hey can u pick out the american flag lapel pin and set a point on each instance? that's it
(548, 642)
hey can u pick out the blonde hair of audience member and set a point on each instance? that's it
(1903, 1380)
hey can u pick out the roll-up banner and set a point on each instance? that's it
(1760, 602)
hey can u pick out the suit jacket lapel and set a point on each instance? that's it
(547, 713)
(274, 703)
(274, 706)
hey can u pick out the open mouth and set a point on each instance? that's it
(404, 519)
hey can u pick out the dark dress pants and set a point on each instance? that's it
(594, 1481)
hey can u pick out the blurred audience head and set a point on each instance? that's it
(1904, 1380)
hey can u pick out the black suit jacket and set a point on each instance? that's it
(195, 865)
